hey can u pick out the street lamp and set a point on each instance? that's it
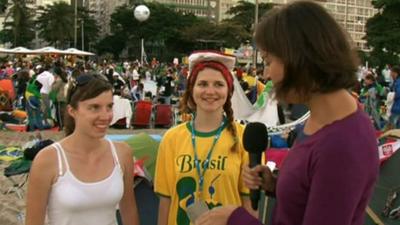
(83, 35)
(141, 13)
(75, 23)
(255, 27)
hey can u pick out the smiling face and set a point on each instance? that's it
(210, 91)
(93, 116)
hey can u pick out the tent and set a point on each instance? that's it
(47, 50)
(17, 50)
(20, 50)
(74, 51)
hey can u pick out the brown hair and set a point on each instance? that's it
(315, 51)
(370, 77)
(187, 105)
(92, 86)
(395, 69)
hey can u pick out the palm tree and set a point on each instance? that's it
(3, 5)
(90, 28)
(19, 30)
(243, 13)
(56, 24)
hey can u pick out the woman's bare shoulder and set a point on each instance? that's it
(123, 149)
(46, 156)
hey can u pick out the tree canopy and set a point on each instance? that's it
(170, 33)
(56, 24)
(243, 13)
(383, 33)
(18, 24)
(161, 32)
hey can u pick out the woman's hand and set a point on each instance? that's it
(216, 216)
(253, 181)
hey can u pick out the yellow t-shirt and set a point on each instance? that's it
(250, 80)
(176, 175)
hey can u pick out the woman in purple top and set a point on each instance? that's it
(328, 176)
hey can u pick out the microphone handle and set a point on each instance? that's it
(255, 159)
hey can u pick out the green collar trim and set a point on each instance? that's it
(205, 134)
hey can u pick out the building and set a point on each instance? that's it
(47, 2)
(351, 14)
(102, 11)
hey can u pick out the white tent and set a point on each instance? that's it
(74, 51)
(17, 50)
(47, 50)
(21, 50)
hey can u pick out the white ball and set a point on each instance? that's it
(141, 13)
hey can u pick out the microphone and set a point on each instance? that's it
(255, 141)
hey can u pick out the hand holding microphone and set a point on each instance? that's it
(255, 141)
(252, 180)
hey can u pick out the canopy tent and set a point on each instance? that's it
(74, 51)
(45, 50)
(21, 50)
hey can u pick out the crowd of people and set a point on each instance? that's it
(41, 86)
(202, 175)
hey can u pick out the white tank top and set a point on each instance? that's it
(73, 202)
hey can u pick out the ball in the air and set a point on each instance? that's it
(141, 13)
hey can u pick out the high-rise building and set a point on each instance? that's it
(202, 8)
(102, 11)
(47, 2)
(351, 14)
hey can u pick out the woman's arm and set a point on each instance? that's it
(127, 205)
(163, 210)
(41, 176)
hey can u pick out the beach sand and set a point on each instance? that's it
(12, 208)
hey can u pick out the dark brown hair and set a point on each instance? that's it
(187, 105)
(370, 77)
(395, 69)
(314, 49)
(77, 92)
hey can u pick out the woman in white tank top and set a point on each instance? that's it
(82, 179)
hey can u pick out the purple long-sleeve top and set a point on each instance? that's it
(327, 178)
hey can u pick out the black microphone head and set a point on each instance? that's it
(255, 137)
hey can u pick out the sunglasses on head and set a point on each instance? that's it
(80, 81)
